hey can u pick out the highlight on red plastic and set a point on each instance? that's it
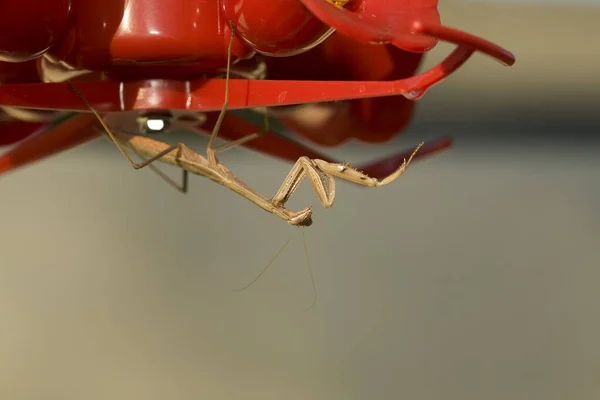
(380, 21)
(412, 25)
(464, 39)
(208, 94)
(467, 45)
(84, 127)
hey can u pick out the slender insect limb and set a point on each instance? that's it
(245, 139)
(261, 273)
(114, 139)
(198, 165)
(181, 187)
(352, 175)
(308, 264)
(306, 167)
(237, 142)
(321, 175)
(211, 154)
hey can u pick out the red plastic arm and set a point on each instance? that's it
(14, 131)
(289, 150)
(72, 132)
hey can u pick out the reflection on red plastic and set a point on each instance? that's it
(154, 54)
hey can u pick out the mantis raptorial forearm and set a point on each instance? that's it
(320, 173)
(189, 160)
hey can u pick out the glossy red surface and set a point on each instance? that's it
(70, 133)
(209, 94)
(14, 131)
(126, 38)
(155, 54)
(276, 28)
(28, 28)
(23, 72)
(381, 21)
(373, 120)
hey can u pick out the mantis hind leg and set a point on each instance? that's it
(183, 187)
(211, 152)
(110, 134)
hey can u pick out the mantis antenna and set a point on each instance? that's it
(308, 264)
(321, 174)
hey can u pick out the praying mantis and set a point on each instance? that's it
(321, 174)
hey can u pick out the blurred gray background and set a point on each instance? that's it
(475, 276)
